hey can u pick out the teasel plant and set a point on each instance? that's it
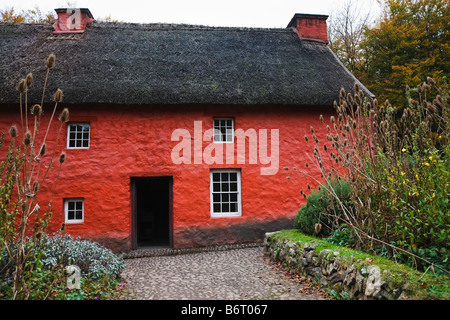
(384, 154)
(23, 171)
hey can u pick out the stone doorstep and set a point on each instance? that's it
(158, 251)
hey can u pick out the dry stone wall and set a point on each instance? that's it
(354, 279)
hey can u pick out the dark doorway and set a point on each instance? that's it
(152, 211)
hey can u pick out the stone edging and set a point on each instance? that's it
(354, 278)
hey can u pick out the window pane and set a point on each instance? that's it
(216, 187)
(216, 197)
(78, 205)
(225, 207)
(233, 207)
(216, 177)
(233, 176)
(70, 215)
(233, 197)
(216, 207)
(79, 215)
(224, 176)
(233, 186)
(225, 186)
(225, 197)
(71, 205)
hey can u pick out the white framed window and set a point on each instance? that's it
(223, 130)
(74, 210)
(225, 193)
(78, 135)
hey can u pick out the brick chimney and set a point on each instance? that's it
(310, 27)
(72, 20)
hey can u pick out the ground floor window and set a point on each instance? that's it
(74, 210)
(225, 193)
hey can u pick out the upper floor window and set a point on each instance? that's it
(78, 135)
(223, 130)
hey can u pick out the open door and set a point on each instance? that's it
(151, 212)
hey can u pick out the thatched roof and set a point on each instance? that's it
(123, 63)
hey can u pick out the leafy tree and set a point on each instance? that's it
(410, 42)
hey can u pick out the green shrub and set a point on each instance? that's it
(100, 268)
(321, 209)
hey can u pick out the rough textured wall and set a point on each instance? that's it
(135, 141)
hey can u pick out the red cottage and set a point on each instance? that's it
(179, 135)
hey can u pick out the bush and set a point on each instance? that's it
(399, 173)
(321, 213)
(94, 260)
(100, 267)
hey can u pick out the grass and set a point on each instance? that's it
(422, 286)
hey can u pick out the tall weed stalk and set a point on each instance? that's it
(23, 171)
(398, 167)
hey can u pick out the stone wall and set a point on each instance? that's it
(359, 279)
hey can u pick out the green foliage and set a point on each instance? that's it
(320, 214)
(100, 269)
(399, 174)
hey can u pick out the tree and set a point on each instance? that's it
(410, 43)
(27, 16)
(345, 33)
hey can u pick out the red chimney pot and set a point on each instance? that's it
(310, 27)
(72, 20)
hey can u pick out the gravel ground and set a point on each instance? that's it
(231, 274)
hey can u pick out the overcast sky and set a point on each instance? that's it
(235, 13)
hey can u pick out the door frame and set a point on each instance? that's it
(133, 192)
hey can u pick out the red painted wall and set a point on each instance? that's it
(135, 141)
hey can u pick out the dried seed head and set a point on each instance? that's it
(431, 81)
(356, 88)
(58, 96)
(321, 118)
(36, 110)
(342, 93)
(51, 61)
(306, 138)
(408, 88)
(22, 86)
(43, 149)
(332, 119)
(312, 129)
(415, 103)
(13, 131)
(64, 116)
(27, 138)
(29, 79)
(62, 157)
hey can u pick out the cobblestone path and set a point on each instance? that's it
(236, 274)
